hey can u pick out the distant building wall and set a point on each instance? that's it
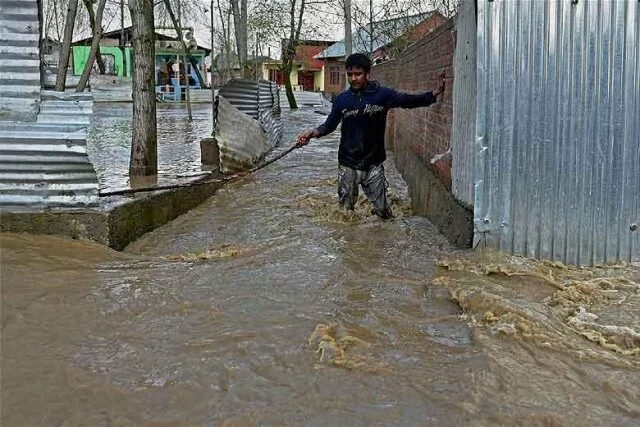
(112, 55)
(334, 76)
(318, 81)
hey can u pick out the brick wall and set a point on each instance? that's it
(424, 131)
(417, 136)
(385, 73)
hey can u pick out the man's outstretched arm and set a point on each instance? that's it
(408, 100)
(329, 125)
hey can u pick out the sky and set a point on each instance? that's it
(330, 21)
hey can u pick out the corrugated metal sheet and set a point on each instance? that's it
(558, 129)
(43, 155)
(259, 100)
(19, 60)
(242, 94)
(243, 141)
(463, 131)
(45, 164)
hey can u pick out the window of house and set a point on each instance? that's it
(334, 75)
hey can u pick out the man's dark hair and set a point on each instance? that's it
(359, 60)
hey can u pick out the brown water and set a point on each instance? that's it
(269, 306)
(109, 142)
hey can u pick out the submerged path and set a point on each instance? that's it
(269, 306)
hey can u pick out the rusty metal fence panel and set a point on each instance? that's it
(558, 129)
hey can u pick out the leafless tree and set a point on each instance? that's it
(239, 8)
(144, 150)
(223, 66)
(95, 22)
(65, 51)
(94, 52)
(288, 22)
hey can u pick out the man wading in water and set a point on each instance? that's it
(363, 112)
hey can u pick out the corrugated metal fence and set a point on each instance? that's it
(43, 153)
(464, 104)
(558, 129)
(259, 100)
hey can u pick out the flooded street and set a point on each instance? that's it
(109, 142)
(269, 306)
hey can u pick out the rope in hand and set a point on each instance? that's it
(205, 181)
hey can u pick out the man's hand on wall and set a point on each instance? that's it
(439, 90)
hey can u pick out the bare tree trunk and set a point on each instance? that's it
(93, 21)
(144, 150)
(65, 51)
(289, 52)
(95, 45)
(226, 42)
(59, 35)
(288, 88)
(239, 8)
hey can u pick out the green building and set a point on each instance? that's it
(118, 60)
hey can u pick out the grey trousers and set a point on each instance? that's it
(374, 184)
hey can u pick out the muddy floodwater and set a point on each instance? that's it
(268, 306)
(109, 142)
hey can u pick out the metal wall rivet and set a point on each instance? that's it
(633, 227)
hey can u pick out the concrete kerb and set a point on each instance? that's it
(121, 221)
(430, 198)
